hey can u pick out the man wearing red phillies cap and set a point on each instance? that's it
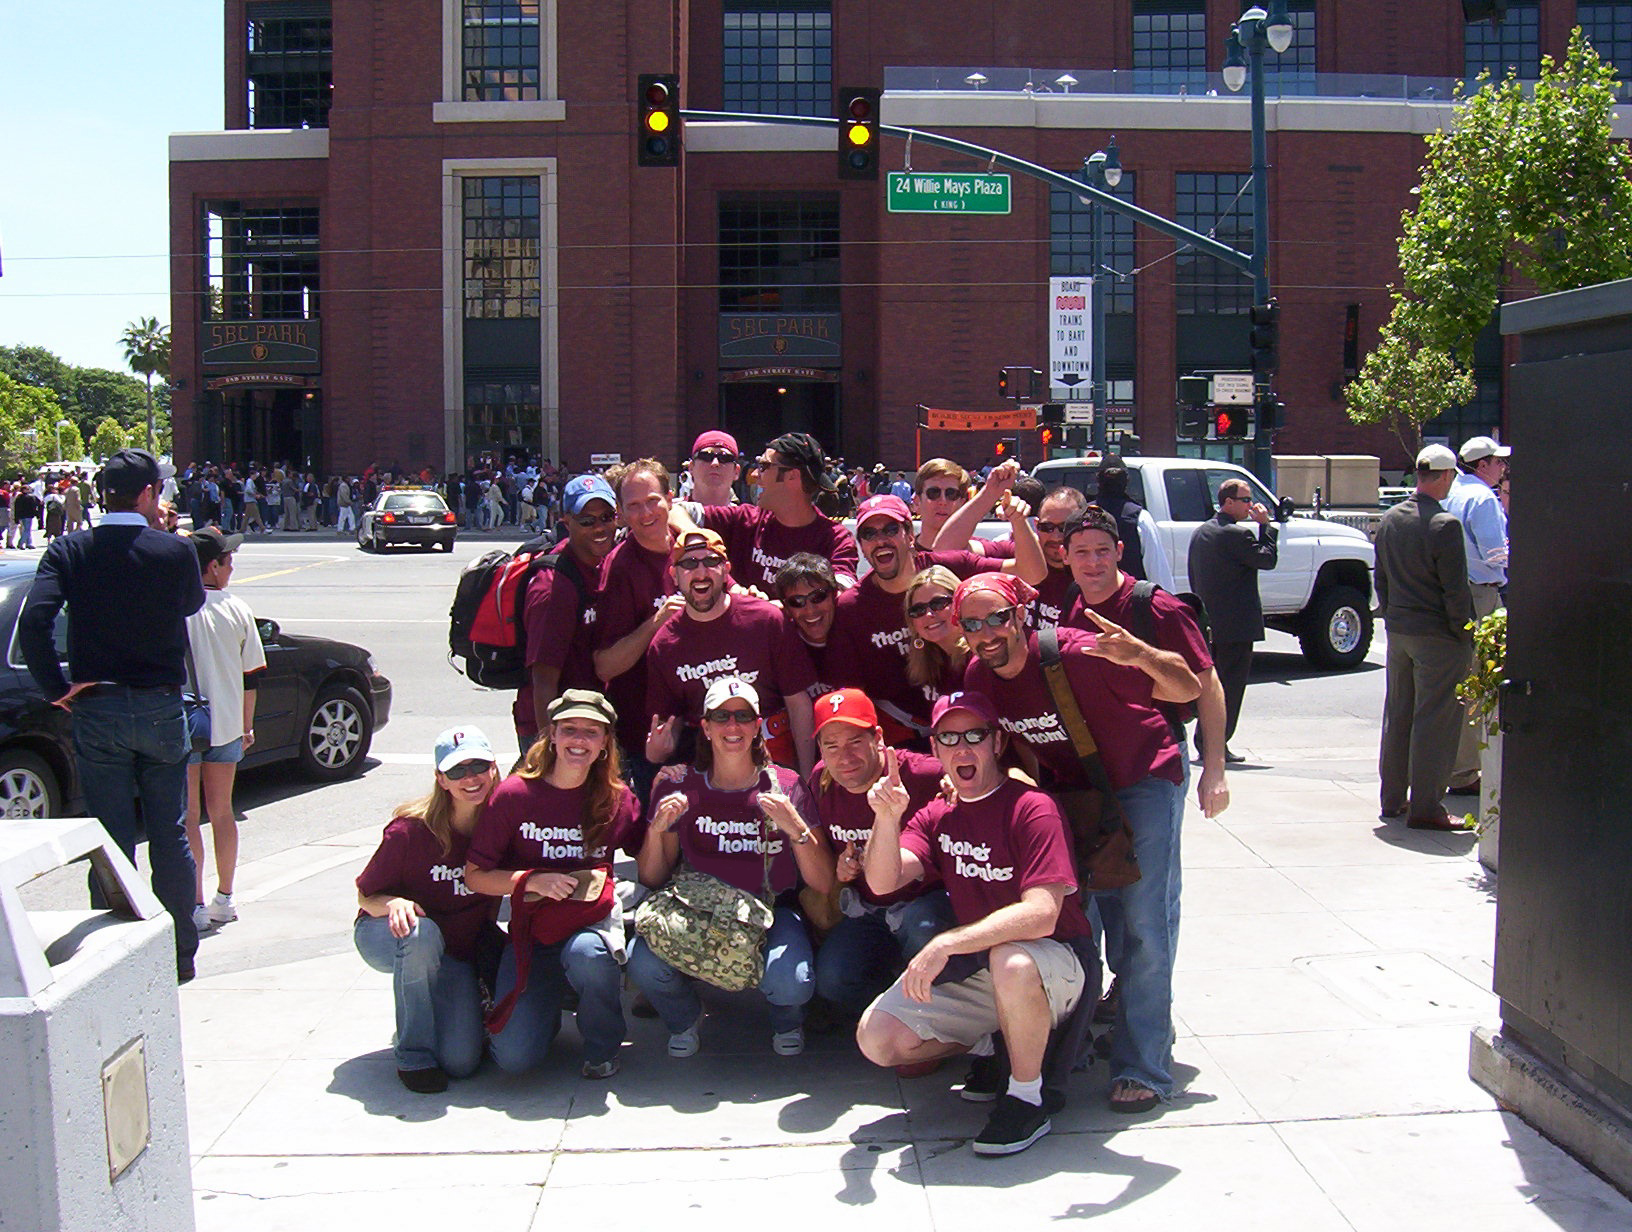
(879, 932)
(716, 464)
(1001, 848)
(868, 645)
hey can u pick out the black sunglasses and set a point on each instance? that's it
(745, 717)
(887, 531)
(798, 602)
(996, 620)
(939, 603)
(465, 769)
(688, 563)
(587, 521)
(942, 493)
(951, 739)
(714, 455)
(1051, 528)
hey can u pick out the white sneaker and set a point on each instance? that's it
(684, 1043)
(788, 1043)
(201, 918)
(222, 909)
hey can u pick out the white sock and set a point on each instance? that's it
(1031, 1092)
(983, 1047)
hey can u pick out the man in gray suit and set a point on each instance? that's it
(1225, 557)
(1422, 585)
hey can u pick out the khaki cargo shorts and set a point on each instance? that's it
(962, 1013)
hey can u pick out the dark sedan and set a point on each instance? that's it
(319, 703)
(407, 515)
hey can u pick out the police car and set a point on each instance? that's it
(407, 515)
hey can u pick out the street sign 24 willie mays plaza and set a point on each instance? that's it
(948, 192)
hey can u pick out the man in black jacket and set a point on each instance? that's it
(129, 589)
(1225, 558)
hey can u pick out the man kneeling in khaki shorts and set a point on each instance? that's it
(1002, 850)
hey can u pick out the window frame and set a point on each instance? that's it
(452, 108)
(812, 99)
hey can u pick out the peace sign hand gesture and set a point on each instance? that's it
(1114, 642)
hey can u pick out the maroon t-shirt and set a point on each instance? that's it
(635, 581)
(759, 545)
(530, 824)
(870, 637)
(997, 549)
(848, 817)
(1048, 608)
(409, 863)
(989, 851)
(1173, 627)
(724, 834)
(1134, 739)
(557, 636)
(752, 641)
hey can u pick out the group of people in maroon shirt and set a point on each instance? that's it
(877, 758)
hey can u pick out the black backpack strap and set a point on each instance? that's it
(1141, 619)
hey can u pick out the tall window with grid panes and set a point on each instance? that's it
(288, 65)
(778, 56)
(502, 284)
(1513, 44)
(500, 51)
(1170, 46)
(1608, 27)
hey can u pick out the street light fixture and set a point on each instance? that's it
(1065, 81)
(1103, 170)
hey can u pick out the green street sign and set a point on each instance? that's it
(948, 192)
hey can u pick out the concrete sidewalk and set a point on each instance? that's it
(1330, 972)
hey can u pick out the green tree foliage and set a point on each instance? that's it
(28, 415)
(109, 438)
(147, 351)
(1534, 188)
(102, 393)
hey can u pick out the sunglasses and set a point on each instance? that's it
(588, 521)
(939, 603)
(714, 455)
(465, 769)
(1051, 528)
(746, 718)
(996, 620)
(951, 739)
(889, 530)
(936, 494)
(798, 602)
(771, 464)
(689, 563)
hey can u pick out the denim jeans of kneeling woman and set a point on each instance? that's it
(438, 1004)
(789, 981)
(582, 960)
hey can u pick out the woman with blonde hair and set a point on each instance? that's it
(550, 830)
(937, 653)
(421, 922)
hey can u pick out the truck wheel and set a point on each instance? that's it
(1336, 630)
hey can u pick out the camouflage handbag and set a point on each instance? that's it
(707, 929)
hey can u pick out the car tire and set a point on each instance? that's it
(1336, 630)
(28, 786)
(336, 733)
(445, 544)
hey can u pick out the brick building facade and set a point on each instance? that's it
(422, 233)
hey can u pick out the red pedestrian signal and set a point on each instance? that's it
(657, 135)
(1230, 423)
(858, 133)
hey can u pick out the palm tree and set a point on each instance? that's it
(147, 352)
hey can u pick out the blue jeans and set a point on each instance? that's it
(583, 961)
(1141, 925)
(131, 746)
(862, 955)
(25, 532)
(788, 984)
(439, 1006)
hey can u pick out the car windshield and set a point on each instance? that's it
(414, 502)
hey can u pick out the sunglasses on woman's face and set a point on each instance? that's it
(465, 769)
(733, 715)
(996, 620)
(797, 602)
(938, 604)
(951, 739)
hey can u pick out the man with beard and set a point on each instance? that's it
(1001, 848)
(719, 635)
(1060, 506)
(637, 599)
(869, 643)
(1116, 680)
(759, 539)
(558, 614)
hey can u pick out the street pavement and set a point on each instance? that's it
(1330, 972)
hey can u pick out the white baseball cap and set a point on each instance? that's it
(459, 744)
(1436, 458)
(1478, 447)
(722, 691)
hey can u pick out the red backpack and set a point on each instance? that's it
(485, 622)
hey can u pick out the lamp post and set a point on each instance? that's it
(61, 424)
(1103, 170)
(1255, 32)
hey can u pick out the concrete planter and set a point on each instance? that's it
(1490, 796)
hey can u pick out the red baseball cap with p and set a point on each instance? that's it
(977, 704)
(850, 706)
(884, 506)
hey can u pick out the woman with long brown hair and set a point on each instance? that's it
(418, 919)
(937, 653)
(561, 813)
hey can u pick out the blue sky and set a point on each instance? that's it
(89, 92)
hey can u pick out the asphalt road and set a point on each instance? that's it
(396, 606)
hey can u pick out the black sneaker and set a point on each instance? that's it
(430, 1081)
(1013, 1126)
(988, 1078)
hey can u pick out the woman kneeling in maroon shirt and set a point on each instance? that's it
(420, 921)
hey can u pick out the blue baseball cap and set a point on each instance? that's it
(585, 488)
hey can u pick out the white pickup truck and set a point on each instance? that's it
(1320, 589)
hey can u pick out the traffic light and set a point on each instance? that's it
(1003, 385)
(1230, 423)
(1076, 437)
(858, 133)
(1266, 339)
(1018, 383)
(1193, 423)
(1051, 413)
(657, 101)
(1269, 409)
(1047, 437)
(1006, 448)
